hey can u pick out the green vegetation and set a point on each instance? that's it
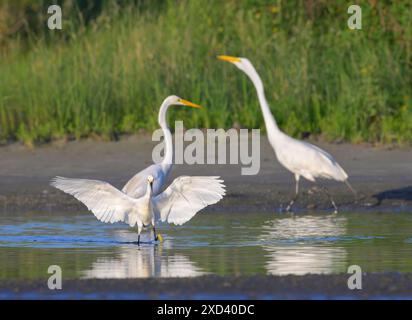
(110, 67)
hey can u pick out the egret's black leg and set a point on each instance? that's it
(289, 207)
(138, 240)
(330, 198)
(154, 233)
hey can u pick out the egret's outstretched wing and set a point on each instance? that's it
(106, 202)
(186, 196)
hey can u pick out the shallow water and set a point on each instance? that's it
(212, 243)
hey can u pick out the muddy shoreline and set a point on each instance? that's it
(382, 176)
(374, 286)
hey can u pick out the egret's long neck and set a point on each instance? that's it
(168, 158)
(149, 191)
(270, 122)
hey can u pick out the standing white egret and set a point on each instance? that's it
(177, 204)
(136, 186)
(299, 157)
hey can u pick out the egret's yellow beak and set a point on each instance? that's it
(159, 237)
(229, 59)
(190, 104)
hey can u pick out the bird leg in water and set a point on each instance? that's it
(289, 207)
(330, 198)
(138, 240)
(154, 234)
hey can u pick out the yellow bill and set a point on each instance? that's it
(229, 58)
(190, 104)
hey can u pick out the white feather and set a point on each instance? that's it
(106, 202)
(177, 204)
(186, 196)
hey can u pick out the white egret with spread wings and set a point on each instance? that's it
(299, 157)
(177, 204)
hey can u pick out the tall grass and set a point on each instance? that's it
(110, 76)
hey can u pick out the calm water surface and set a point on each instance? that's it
(224, 244)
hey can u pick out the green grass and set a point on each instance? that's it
(109, 76)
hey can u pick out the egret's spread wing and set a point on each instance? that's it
(106, 202)
(186, 196)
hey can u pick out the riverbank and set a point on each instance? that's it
(374, 286)
(383, 176)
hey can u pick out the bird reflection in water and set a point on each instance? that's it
(146, 261)
(304, 244)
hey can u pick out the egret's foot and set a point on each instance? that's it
(335, 207)
(289, 207)
(159, 238)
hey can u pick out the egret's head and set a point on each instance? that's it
(150, 180)
(175, 100)
(242, 63)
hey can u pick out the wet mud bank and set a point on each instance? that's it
(374, 286)
(382, 176)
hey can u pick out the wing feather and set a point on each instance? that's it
(186, 196)
(106, 202)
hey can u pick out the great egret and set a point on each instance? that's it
(299, 157)
(136, 186)
(177, 204)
